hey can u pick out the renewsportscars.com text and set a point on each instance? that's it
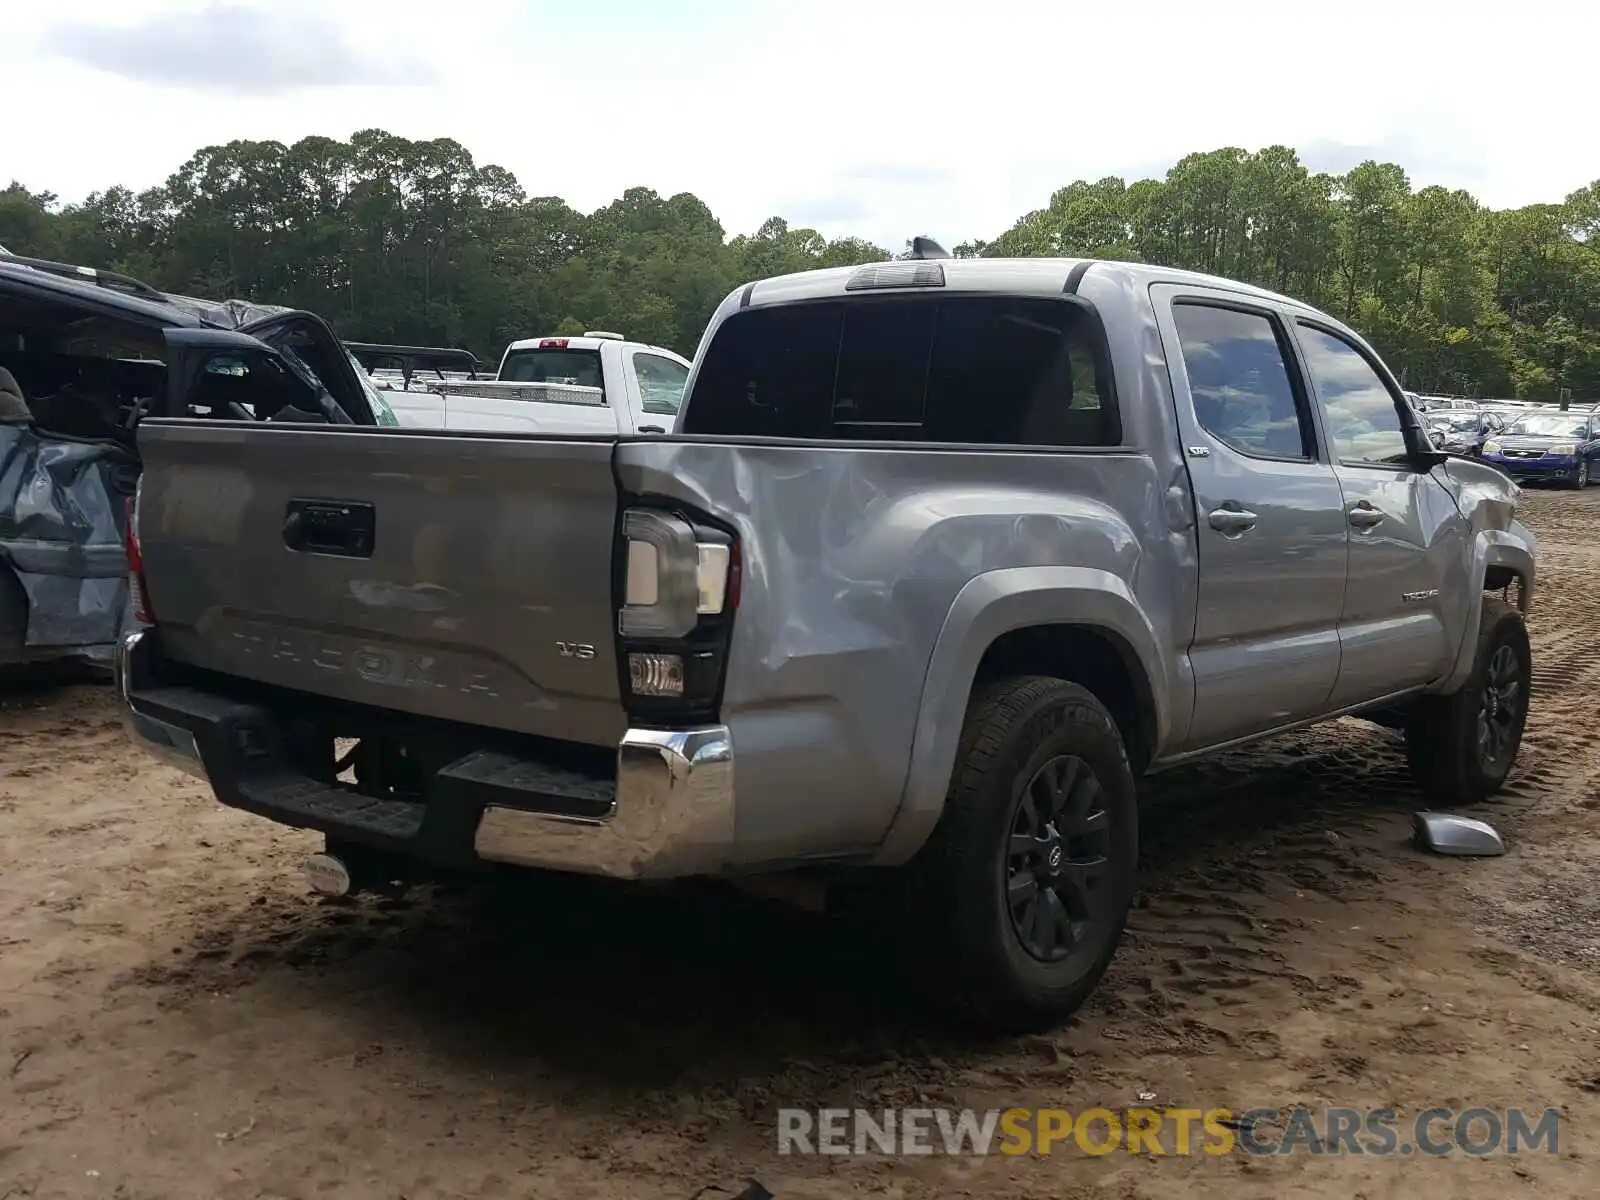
(1434, 1132)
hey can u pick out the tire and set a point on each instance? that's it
(1461, 747)
(1581, 479)
(1027, 743)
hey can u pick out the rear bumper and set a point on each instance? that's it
(667, 813)
(672, 815)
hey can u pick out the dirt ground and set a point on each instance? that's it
(181, 1017)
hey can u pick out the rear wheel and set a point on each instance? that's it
(1461, 747)
(1031, 870)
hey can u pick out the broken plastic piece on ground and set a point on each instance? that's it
(1447, 833)
(328, 874)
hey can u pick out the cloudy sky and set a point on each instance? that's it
(881, 118)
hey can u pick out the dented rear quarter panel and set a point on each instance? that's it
(876, 575)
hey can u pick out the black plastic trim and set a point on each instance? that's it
(1075, 277)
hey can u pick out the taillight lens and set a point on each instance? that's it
(138, 594)
(679, 590)
(673, 577)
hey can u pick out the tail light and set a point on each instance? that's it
(680, 582)
(138, 593)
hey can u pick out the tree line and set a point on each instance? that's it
(406, 241)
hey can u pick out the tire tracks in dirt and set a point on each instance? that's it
(1236, 847)
(559, 1037)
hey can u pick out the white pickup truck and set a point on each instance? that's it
(599, 383)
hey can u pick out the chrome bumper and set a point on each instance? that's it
(173, 746)
(672, 816)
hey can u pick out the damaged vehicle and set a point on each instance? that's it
(938, 557)
(84, 357)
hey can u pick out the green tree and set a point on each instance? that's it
(414, 241)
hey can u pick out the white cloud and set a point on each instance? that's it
(880, 118)
(231, 48)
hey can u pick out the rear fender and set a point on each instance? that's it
(990, 606)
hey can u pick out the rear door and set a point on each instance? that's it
(1272, 535)
(66, 467)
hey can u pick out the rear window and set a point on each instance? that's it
(581, 367)
(985, 370)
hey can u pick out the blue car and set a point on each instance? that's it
(1562, 446)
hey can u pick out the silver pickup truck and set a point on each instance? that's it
(941, 556)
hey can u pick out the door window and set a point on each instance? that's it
(1239, 381)
(1363, 419)
(661, 383)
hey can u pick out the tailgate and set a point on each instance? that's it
(461, 577)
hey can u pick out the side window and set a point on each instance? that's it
(1239, 382)
(1363, 422)
(661, 383)
(243, 386)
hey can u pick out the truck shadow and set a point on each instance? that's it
(704, 989)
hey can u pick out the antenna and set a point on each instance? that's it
(923, 246)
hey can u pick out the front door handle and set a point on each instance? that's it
(1364, 516)
(1232, 520)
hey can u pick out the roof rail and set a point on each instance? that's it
(105, 279)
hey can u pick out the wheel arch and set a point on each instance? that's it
(1501, 559)
(1075, 623)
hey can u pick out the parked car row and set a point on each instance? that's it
(1529, 442)
(1548, 444)
(933, 559)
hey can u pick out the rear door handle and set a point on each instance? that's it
(1232, 520)
(1364, 516)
